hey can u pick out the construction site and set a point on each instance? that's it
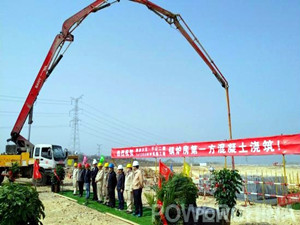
(154, 112)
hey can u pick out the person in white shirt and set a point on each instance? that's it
(128, 188)
(74, 176)
(99, 182)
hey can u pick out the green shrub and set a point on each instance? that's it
(227, 184)
(14, 172)
(20, 204)
(296, 206)
(60, 171)
(179, 190)
(150, 199)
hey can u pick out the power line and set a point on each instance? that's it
(37, 102)
(41, 113)
(117, 127)
(39, 126)
(112, 132)
(104, 138)
(127, 124)
(40, 99)
(105, 134)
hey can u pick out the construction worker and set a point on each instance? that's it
(105, 179)
(120, 187)
(93, 176)
(111, 186)
(75, 176)
(128, 188)
(99, 182)
(137, 187)
(87, 181)
(80, 179)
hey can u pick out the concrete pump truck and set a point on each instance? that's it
(49, 155)
(23, 151)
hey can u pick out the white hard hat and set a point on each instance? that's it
(120, 167)
(135, 163)
(94, 161)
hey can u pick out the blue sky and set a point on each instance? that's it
(143, 81)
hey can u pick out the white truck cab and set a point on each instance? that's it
(49, 156)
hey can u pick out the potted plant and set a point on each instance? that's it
(20, 204)
(226, 183)
(179, 191)
(57, 177)
(13, 172)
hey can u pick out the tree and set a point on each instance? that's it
(227, 183)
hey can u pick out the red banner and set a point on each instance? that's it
(36, 171)
(274, 145)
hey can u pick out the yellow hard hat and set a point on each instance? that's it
(75, 164)
(106, 164)
(129, 165)
(99, 164)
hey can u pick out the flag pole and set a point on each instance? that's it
(156, 166)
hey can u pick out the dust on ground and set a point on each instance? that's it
(60, 210)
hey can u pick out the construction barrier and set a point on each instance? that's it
(262, 189)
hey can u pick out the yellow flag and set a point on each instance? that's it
(186, 169)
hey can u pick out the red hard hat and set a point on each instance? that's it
(79, 165)
(87, 165)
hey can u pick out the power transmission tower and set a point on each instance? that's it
(99, 149)
(75, 125)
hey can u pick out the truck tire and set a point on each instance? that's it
(42, 181)
(1, 178)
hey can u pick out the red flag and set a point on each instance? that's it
(36, 171)
(164, 171)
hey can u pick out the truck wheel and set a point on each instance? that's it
(1, 178)
(42, 181)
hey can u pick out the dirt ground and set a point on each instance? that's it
(60, 210)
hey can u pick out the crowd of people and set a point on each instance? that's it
(105, 181)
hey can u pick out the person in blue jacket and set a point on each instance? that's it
(111, 186)
(120, 187)
(87, 181)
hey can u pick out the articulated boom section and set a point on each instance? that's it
(54, 56)
(175, 19)
(52, 59)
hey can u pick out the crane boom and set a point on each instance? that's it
(52, 59)
(175, 19)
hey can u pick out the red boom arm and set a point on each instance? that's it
(52, 59)
(175, 19)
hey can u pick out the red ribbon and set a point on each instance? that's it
(56, 175)
(162, 216)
